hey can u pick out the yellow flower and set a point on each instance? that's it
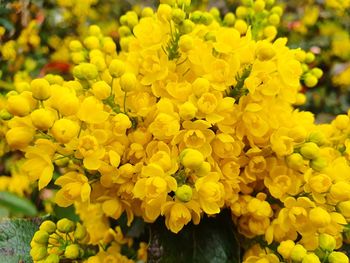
(210, 193)
(64, 130)
(74, 187)
(177, 215)
(91, 111)
(39, 162)
(164, 126)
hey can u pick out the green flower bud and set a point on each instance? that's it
(65, 225)
(295, 161)
(184, 193)
(338, 257)
(298, 253)
(38, 253)
(48, 226)
(72, 251)
(317, 137)
(53, 258)
(80, 232)
(5, 115)
(178, 15)
(311, 258)
(326, 242)
(310, 150)
(318, 164)
(41, 237)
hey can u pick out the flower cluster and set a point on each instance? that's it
(192, 116)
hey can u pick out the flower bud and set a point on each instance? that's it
(338, 257)
(285, 248)
(317, 72)
(187, 111)
(42, 119)
(341, 122)
(340, 191)
(265, 51)
(178, 15)
(65, 225)
(185, 43)
(40, 89)
(326, 242)
(48, 226)
(204, 169)
(310, 80)
(80, 232)
(298, 253)
(5, 115)
(229, 19)
(41, 237)
(101, 90)
(191, 158)
(184, 193)
(64, 130)
(116, 68)
(310, 150)
(295, 161)
(128, 82)
(318, 164)
(38, 253)
(319, 217)
(274, 19)
(344, 208)
(18, 105)
(53, 258)
(75, 46)
(317, 137)
(72, 251)
(19, 137)
(309, 57)
(311, 258)
(259, 5)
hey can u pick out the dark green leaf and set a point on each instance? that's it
(15, 237)
(17, 205)
(212, 241)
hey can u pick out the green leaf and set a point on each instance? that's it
(212, 241)
(17, 205)
(15, 237)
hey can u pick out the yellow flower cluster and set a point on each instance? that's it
(192, 116)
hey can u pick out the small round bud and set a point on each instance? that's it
(310, 150)
(311, 258)
(270, 32)
(184, 193)
(259, 5)
(72, 251)
(18, 105)
(5, 115)
(277, 10)
(40, 89)
(186, 26)
(298, 253)
(191, 158)
(318, 164)
(319, 217)
(310, 80)
(116, 68)
(241, 12)
(340, 191)
(204, 169)
(53, 258)
(101, 90)
(41, 237)
(187, 111)
(75, 46)
(64, 130)
(94, 30)
(178, 15)
(295, 161)
(341, 122)
(48, 226)
(241, 26)
(326, 242)
(338, 257)
(128, 81)
(317, 137)
(274, 19)
(229, 19)
(65, 225)
(185, 43)
(317, 72)
(310, 57)
(92, 42)
(200, 86)
(38, 253)
(285, 248)
(42, 119)
(19, 137)
(80, 232)
(344, 208)
(147, 12)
